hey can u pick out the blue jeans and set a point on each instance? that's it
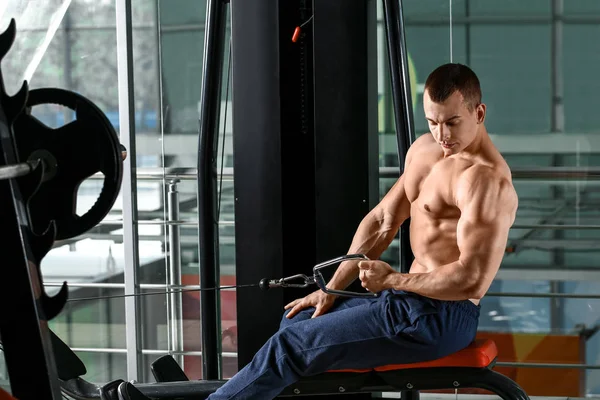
(394, 328)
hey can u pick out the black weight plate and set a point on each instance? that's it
(71, 154)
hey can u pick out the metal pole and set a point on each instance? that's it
(129, 184)
(401, 92)
(558, 255)
(214, 41)
(558, 111)
(176, 315)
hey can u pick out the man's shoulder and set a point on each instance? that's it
(486, 175)
(421, 143)
(423, 140)
(483, 171)
(487, 184)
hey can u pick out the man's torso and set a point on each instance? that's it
(430, 185)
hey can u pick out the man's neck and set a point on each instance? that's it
(479, 143)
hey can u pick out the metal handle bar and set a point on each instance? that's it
(320, 280)
(317, 279)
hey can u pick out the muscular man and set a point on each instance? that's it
(457, 190)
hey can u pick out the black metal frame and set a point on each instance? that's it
(208, 230)
(413, 379)
(336, 383)
(401, 94)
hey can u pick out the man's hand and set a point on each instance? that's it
(320, 300)
(376, 275)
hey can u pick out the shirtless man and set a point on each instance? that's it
(457, 190)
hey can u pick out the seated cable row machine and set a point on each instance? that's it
(31, 224)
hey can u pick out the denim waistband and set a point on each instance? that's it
(466, 307)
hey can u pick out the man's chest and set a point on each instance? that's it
(429, 187)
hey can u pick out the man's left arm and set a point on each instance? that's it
(488, 206)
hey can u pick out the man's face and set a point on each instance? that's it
(452, 125)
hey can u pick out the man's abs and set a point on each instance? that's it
(433, 241)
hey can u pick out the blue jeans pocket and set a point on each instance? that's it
(406, 309)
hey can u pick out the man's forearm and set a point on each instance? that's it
(345, 274)
(449, 282)
(372, 237)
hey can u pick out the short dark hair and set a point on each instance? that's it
(448, 78)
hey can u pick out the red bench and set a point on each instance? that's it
(481, 353)
(468, 368)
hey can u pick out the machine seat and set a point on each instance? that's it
(479, 354)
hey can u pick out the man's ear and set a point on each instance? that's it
(480, 113)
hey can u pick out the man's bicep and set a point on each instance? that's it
(395, 204)
(483, 228)
(482, 243)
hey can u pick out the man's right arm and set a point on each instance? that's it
(375, 233)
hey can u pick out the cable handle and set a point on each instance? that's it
(339, 260)
(320, 280)
(317, 278)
